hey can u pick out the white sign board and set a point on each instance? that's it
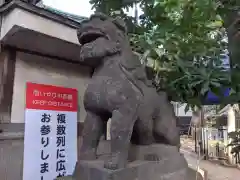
(50, 140)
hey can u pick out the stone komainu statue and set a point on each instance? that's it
(119, 89)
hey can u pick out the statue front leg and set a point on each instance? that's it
(121, 129)
(92, 131)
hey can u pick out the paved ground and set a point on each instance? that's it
(215, 171)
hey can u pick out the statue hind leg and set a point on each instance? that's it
(121, 129)
(143, 130)
(165, 128)
(92, 132)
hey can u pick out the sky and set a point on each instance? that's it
(78, 7)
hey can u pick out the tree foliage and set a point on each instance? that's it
(184, 40)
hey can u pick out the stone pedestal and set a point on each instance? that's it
(137, 170)
(170, 166)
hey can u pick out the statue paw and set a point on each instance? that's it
(112, 163)
(151, 157)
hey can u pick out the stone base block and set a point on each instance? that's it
(191, 175)
(140, 152)
(162, 151)
(170, 165)
(137, 170)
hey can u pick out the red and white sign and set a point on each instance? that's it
(50, 141)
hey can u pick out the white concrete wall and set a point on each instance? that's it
(181, 111)
(46, 71)
(37, 23)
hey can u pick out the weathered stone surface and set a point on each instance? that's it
(162, 151)
(139, 152)
(171, 166)
(137, 170)
(120, 90)
(191, 175)
(66, 178)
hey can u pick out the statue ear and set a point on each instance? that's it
(120, 24)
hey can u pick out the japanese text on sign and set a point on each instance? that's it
(50, 139)
(45, 129)
(61, 132)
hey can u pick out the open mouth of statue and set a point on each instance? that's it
(89, 37)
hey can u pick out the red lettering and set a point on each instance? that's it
(47, 97)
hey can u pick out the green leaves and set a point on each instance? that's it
(182, 40)
(191, 34)
(215, 24)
